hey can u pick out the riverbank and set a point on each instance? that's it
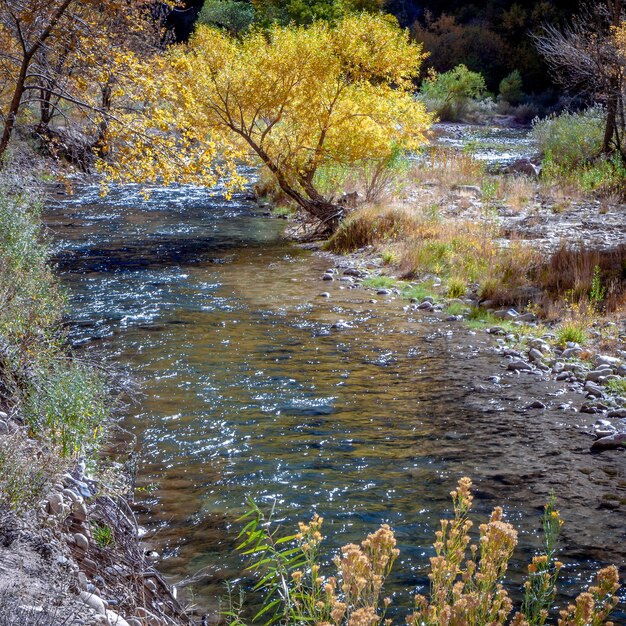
(537, 266)
(70, 548)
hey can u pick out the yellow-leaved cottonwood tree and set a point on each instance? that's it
(297, 98)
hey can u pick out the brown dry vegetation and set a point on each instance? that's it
(422, 236)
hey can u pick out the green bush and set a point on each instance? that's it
(512, 89)
(235, 16)
(452, 94)
(570, 139)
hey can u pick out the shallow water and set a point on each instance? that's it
(251, 392)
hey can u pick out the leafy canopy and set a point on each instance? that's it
(297, 97)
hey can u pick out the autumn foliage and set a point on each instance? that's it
(297, 98)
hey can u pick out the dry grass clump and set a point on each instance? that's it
(376, 225)
(466, 577)
(578, 273)
(448, 167)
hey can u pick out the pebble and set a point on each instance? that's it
(536, 405)
(563, 376)
(93, 601)
(328, 277)
(620, 413)
(569, 353)
(115, 619)
(383, 292)
(535, 355)
(324, 294)
(609, 443)
(81, 541)
(425, 306)
(506, 314)
(602, 359)
(518, 366)
(55, 504)
(79, 510)
(593, 390)
(597, 375)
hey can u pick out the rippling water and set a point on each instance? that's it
(256, 386)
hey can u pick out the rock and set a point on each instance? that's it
(328, 277)
(596, 375)
(593, 389)
(115, 619)
(79, 510)
(527, 318)
(569, 353)
(612, 442)
(352, 271)
(621, 370)
(496, 330)
(71, 495)
(383, 292)
(563, 376)
(81, 541)
(589, 408)
(3, 415)
(506, 314)
(83, 581)
(620, 413)
(324, 294)
(519, 366)
(346, 279)
(536, 405)
(602, 359)
(55, 504)
(524, 167)
(4, 427)
(535, 356)
(93, 601)
(425, 306)
(603, 428)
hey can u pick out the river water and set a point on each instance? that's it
(255, 386)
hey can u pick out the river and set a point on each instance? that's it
(255, 386)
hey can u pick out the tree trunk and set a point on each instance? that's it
(14, 107)
(611, 129)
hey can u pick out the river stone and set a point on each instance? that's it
(612, 442)
(383, 292)
(621, 370)
(527, 318)
(619, 413)
(425, 306)
(593, 390)
(352, 271)
(596, 375)
(93, 601)
(81, 541)
(602, 359)
(55, 504)
(518, 366)
(506, 314)
(328, 277)
(324, 294)
(115, 619)
(535, 355)
(79, 510)
(537, 404)
(569, 353)
(563, 376)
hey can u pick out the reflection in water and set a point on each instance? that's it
(252, 391)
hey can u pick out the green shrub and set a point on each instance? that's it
(232, 15)
(67, 406)
(571, 139)
(571, 331)
(511, 88)
(451, 93)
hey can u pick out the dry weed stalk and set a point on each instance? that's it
(465, 581)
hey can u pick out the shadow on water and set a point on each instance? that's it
(253, 389)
